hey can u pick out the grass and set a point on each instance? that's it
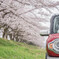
(16, 50)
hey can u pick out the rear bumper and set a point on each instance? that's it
(49, 57)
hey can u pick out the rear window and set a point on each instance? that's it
(56, 25)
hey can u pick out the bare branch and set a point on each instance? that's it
(24, 3)
(5, 14)
(2, 10)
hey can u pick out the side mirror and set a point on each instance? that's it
(44, 33)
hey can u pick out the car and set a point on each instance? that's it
(52, 43)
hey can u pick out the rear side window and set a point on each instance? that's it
(56, 25)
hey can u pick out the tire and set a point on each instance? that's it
(49, 57)
(46, 56)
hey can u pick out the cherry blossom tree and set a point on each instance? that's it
(21, 20)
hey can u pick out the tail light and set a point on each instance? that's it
(54, 46)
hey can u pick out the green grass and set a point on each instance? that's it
(16, 50)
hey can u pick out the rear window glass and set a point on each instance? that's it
(56, 25)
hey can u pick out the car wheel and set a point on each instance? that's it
(46, 56)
